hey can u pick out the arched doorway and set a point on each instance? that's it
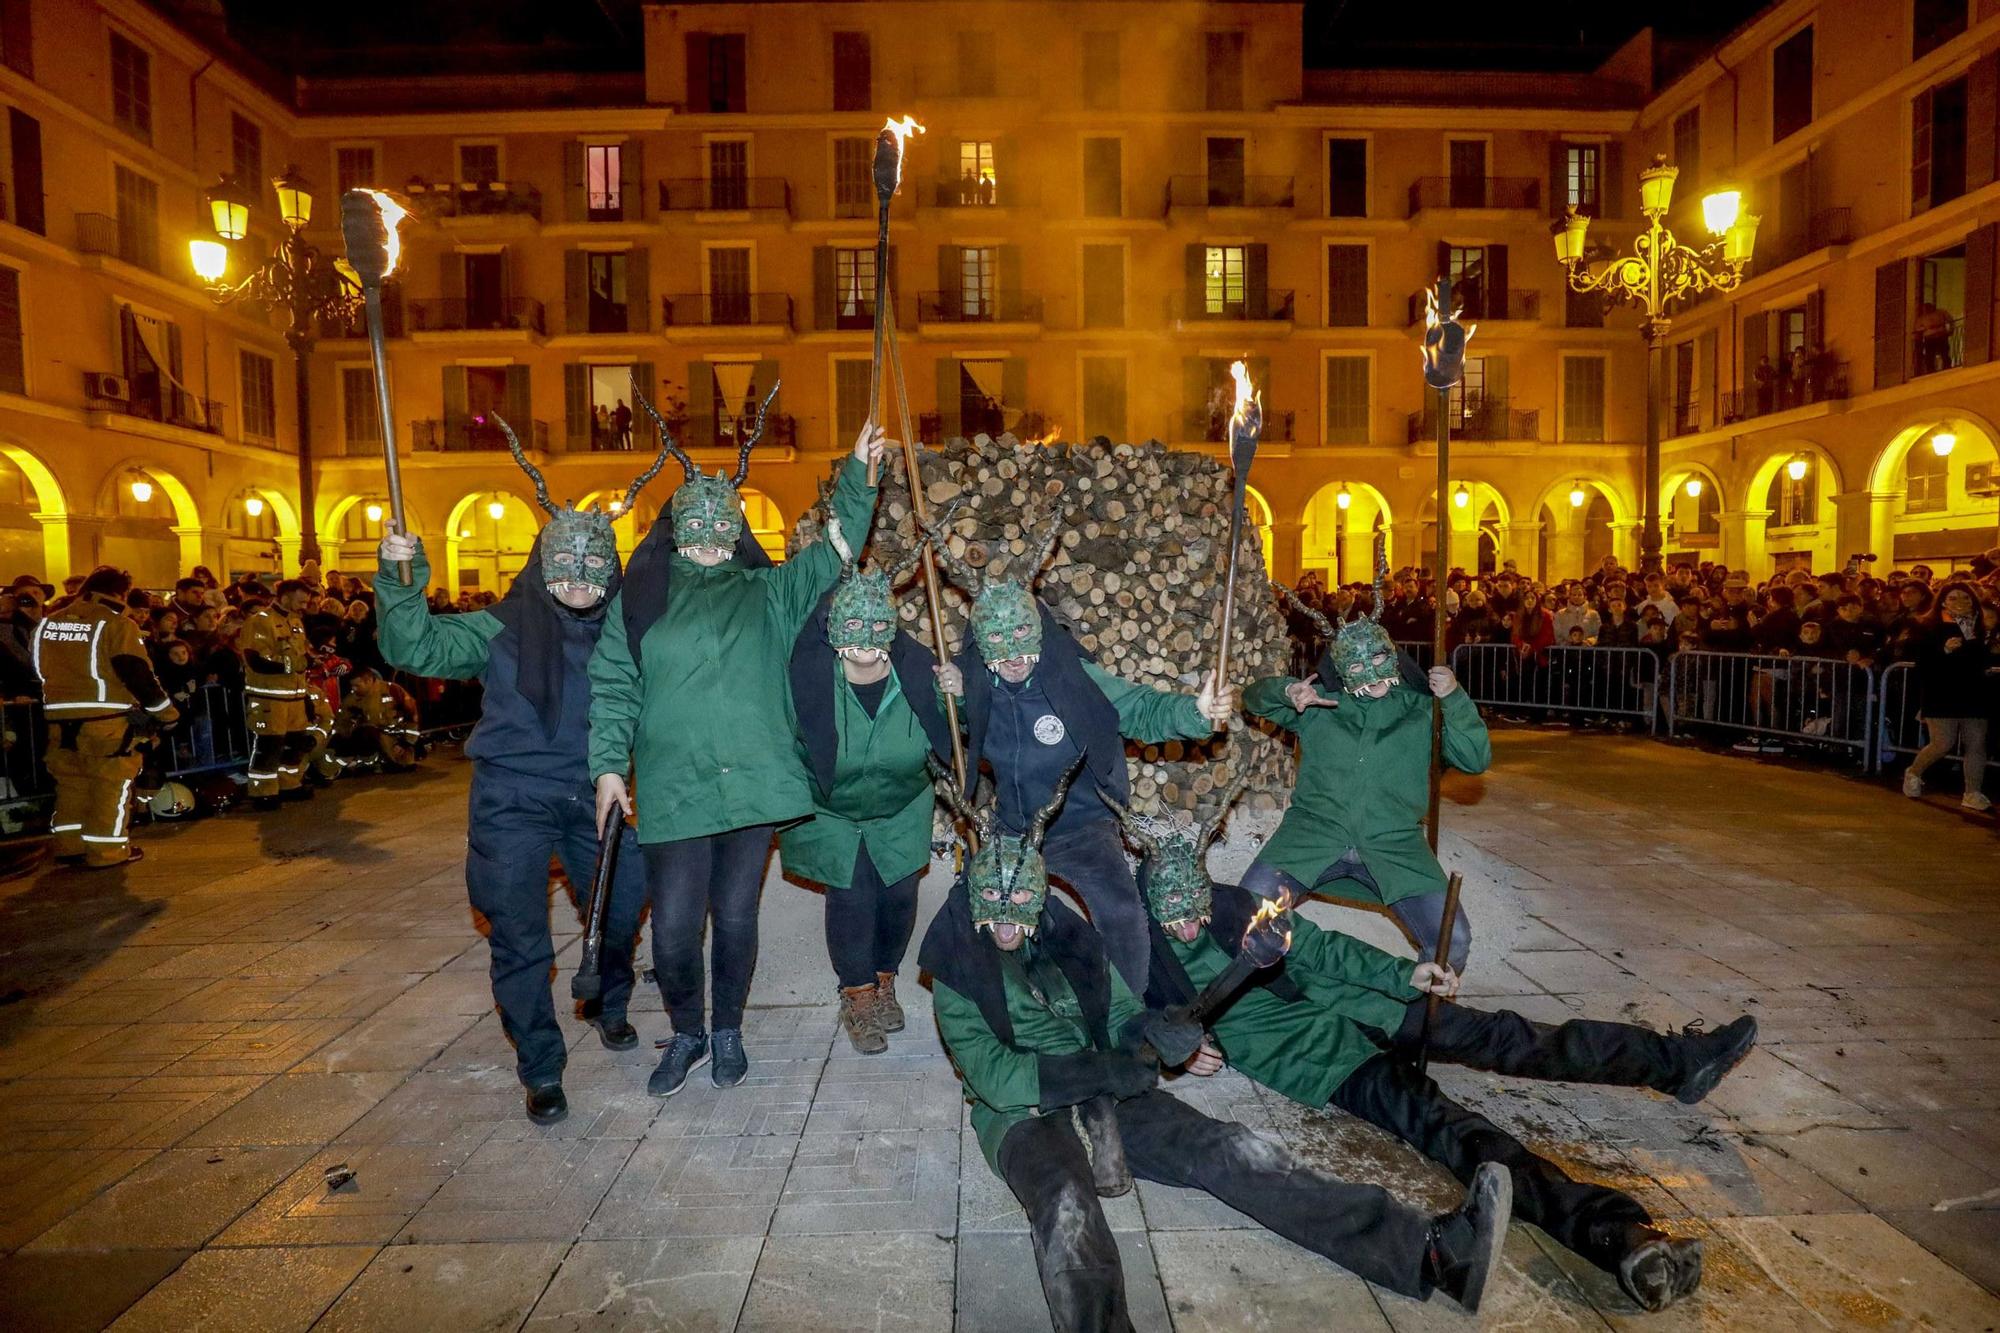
(487, 539)
(1478, 512)
(1794, 489)
(1941, 484)
(34, 516)
(1580, 521)
(252, 536)
(1339, 541)
(1691, 513)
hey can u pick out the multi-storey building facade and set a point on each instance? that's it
(1111, 202)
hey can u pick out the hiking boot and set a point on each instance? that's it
(1463, 1248)
(860, 1018)
(687, 1052)
(887, 1012)
(730, 1062)
(546, 1104)
(1711, 1055)
(1657, 1269)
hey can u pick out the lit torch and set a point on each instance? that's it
(1266, 940)
(369, 220)
(888, 179)
(1246, 426)
(1444, 366)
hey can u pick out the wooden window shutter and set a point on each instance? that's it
(1892, 341)
(1980, 255)
(576, 291)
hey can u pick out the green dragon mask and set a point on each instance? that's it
(1005, 621)
(861, 618)
(578, 548)
(1174, 857)
(707, 512)
(1007, 883)
(1360, 652)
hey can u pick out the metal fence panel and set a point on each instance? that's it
(212, 735)
(1900, 731)
(1819, 700)
(27, 793)
(1584, 681)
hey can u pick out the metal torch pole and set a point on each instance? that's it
(378, 352)
(1440, 565)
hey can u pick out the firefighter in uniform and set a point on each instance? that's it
(377, 718)
(278, 702)
(103, 704)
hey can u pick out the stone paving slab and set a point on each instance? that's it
(192, 1043)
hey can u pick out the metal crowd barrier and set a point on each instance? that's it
(1900, 732)
(1587, 682)
(27, 792)
(1421, 651)
(212, 735)
(1816, 701)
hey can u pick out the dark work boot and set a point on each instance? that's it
(1711, 1055)
(887, 1011)
(730, 1062)
(687, 1052)
(1108, 1172)
(615, 1032)
(1463, 1248)
(1656, 1269)
(546, 1103)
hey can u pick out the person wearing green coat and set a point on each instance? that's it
(1355, 826)
(1337, 1022)
(865, 697)
(688, 692)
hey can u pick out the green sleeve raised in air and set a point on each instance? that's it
(1148, 714)
(615, 701)
(414, 640)
(1005, 1079)
(1266, 699)
(805, 578)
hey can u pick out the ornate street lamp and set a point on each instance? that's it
(307, 284)
(1660, 272)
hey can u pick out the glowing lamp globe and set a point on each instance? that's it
(374, 513)
(1576, 497)
(1693, 488)
(1943, 443)
(497, 510)
(1461, 497)
(142, 490)
(229, 209)
(209, 258)
(1796, 469)
(295, 201)
(1719, 209)
(253, 505)
(1344, 498)
(1656, 186)
(1741, 241)
(1570, 238)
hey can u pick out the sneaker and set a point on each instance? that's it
(1711, 1055)
(887, 1011)
(1463, 1248)
(730, 1062)
(1656, 1269)
(1977, 801)
(860, 1018)
(1913, 784)
(687, 1052)
(1748, 747)
(1772, 747)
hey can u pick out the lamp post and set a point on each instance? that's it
(306, 283)
(1661, 271)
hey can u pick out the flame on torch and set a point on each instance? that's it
(393, 214)
(1268, 937)
(1429, 349)
(900, 130)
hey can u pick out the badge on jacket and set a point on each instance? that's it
(1049, 729)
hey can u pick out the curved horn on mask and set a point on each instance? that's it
(1324, 625)
(667, 441)
(954, 796)
(1040, 823)
(1039, 549)
(937, 532)
(1147, 843)
(1381, 577)
(639, 482)
(534, 473)
(756, 434)
(1205, 833)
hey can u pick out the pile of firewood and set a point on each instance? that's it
(1137, 574)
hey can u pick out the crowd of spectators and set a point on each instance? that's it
(1946, 626)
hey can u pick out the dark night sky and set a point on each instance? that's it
(603, 34)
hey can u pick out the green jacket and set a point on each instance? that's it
(1307, 1048)
(1005, 1082)
(707, 721)
(413, 640)
(1364, 783)
(1151, 714)
(881, 795)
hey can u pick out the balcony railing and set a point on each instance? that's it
(473, 199)
(1259, 303)
(1820, 380)
(470, 434)
(1002, 307)
(726, 194)
(458, 314)
(1210, 425)
(1480, 421)
(1937, 345)
(1831, 226)
(1474, 192)
(781, 431)
(726, 310)
(1475, 303)
(102, 234)
(965, 192)
(1229, 192)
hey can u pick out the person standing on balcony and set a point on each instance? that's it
(531, 796)
(688, 691)
(1954, 693)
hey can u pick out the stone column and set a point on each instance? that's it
(1287, 550)
(1406, 547)
(69, 544)
(1625, 541)
(1743, 541)
(1865, 523)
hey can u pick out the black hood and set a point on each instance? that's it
(537, 619)
(966, 959)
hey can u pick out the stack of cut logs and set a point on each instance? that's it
(1137, 574)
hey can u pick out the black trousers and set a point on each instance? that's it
(719, 875)
(1387, 1092)
(868, 923)
(1422, 916)
(1090, 858)
(516, 826)
(1359, 1227)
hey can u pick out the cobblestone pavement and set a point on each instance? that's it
(185, 1048)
